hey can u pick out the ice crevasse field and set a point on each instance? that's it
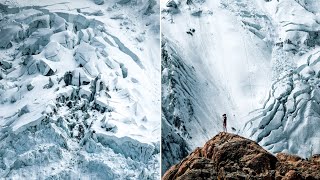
(256, 61)
(79, 89)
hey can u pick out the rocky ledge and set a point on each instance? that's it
(230, 156)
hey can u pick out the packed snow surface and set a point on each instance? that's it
(79, 89)
(224, 56)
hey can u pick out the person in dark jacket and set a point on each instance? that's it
(224, 117)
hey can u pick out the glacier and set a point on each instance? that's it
(79, 89)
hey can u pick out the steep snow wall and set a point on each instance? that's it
(216, 59)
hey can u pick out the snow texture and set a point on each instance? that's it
(78, 96)
(290, 117)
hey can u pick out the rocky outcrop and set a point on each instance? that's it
(294, 167)
(229, 156)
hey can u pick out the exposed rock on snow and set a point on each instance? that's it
(49, 85)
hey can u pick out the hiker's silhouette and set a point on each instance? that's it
(224, 117)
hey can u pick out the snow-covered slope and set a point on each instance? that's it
(232, 53)
(79, 96)
(225, 68)
(290, 118)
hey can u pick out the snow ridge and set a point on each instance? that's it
(177, 92)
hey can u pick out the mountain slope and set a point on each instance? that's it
(223, 68)
(73, 86)
(256, 61)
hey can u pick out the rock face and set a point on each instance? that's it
(229, 156)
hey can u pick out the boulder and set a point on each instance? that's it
(30, 87)
(67, 78)
(49, 85)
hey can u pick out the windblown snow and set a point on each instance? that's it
(256, 61)
(79, 90)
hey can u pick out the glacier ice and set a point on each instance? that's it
(64, 70)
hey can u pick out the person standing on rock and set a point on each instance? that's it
(224, 117)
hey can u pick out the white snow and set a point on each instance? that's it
(294, 92)
(229, 67)
(79, 96)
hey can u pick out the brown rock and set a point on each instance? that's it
(293, 175)
(287, 157)
(315, 159)
(229, 156)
